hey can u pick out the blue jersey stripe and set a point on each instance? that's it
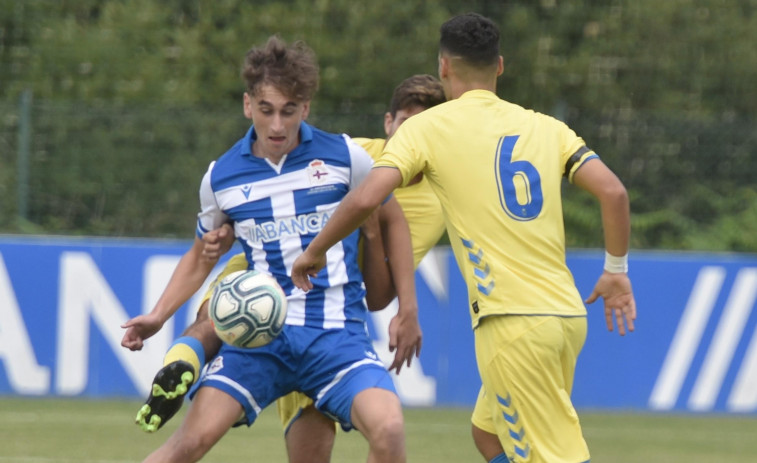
(278, 210)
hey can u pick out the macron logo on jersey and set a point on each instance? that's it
(246, 189)
(300, 225)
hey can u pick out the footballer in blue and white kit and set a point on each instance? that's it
(324, 350)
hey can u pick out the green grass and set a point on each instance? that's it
(82, 431)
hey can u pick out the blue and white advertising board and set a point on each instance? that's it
(62, 301)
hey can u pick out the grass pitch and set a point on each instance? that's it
(88, 431)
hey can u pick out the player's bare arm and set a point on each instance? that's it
(354, 209)
(377, 276)
(385, 233)
(189, 275)
(613, 287)
(404, 331)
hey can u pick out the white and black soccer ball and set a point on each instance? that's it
(248, 308)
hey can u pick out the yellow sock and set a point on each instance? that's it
(189, 350)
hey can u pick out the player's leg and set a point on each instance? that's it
(484, 433)
(308, 433)
(341, 368)
(531, 410)
(183, 361)
(233, 389)
(181, 368)
(377, 414)
(310, 438)
(212, 413)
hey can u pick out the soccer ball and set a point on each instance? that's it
(248, 308)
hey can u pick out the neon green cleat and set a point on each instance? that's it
(171, 384)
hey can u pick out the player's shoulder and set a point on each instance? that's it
(320, 134)
(231, 158)
(235, 150)
(366, 142)
(543, 118)
(373, 146)
(226, 162)
(322, 140)
(336, 149)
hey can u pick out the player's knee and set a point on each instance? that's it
(388, 435)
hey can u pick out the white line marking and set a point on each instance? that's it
(687, 338)
(724, 342)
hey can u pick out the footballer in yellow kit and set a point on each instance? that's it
(424, 217)
(520, 272)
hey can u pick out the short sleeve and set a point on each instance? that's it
(360, 161)
(404, 152)
(210, 216)
(573, 151)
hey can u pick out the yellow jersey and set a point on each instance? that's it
(497, 170)
(420, 205)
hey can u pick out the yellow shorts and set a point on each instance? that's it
(236, 263)
(290, 407)
(482, 416)
(527, 365)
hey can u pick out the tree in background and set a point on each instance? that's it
(132, 99)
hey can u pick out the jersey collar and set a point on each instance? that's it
(306, 135)
(478, 93)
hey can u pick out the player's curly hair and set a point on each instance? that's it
(472, 37)
(419, 90)
(291, 69)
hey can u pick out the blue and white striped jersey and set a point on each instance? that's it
(278, 209)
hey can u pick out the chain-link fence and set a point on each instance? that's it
(127, 171)
(135, 171)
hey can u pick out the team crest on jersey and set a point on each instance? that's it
(318, 172)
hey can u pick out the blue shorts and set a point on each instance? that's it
(331, 366)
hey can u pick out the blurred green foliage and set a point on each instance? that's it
(133, 98)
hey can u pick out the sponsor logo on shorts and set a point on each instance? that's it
(216, 366)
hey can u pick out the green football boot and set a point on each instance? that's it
(171, 384)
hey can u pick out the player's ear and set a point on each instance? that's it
(247, 105)
(305, 110)
(388, 121)
(500, 66)
(443, 66)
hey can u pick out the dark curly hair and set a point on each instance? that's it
(472, 37)
(291, 69)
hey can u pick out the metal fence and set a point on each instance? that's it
(135, 171)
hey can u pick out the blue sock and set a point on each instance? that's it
(501, 458)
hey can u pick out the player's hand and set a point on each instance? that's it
(405, 338)
(138, 329)
(305, 266)
(217, 242)
(615, 289)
